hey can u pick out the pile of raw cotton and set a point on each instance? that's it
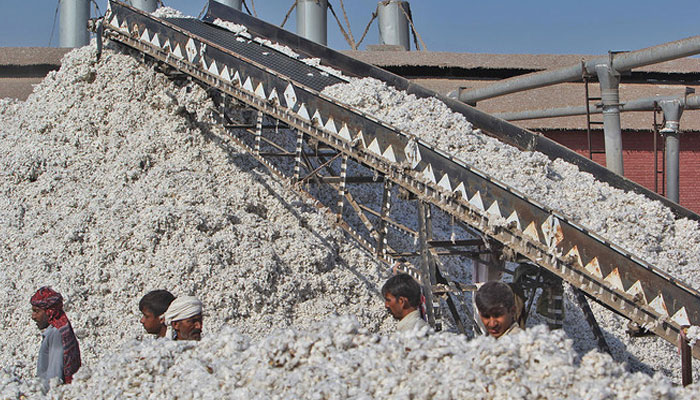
(114, 182)
(645, 228)
(339, 360)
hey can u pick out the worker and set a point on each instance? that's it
(495, 303)
(59, 353)
(402, 299)
(152, 306)
(184, 316)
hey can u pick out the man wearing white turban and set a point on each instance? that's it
(184, 315)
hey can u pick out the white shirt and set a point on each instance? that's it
(411, 321)
(50, 362)
(515, 328)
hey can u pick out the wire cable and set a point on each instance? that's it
(374, 16)
(284, 21)
(53, 26)
(342, 30)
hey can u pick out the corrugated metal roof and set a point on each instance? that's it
(502, 61)
(26, 56)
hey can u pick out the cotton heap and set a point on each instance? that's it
(116, 181)
(339, 359)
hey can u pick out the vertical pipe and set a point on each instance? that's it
(656, 152)
(237, 4)
(672, 160)
(312, 16)
(72, 30)
(672, 114)
(145, 5)
(588, 119)
(610, 92)
(393, 24)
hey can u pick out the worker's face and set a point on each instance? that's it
(151, 323)
(395, 306)
(40, 316)
(497, 320)
(189, 329)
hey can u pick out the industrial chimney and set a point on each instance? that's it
(72, 25)
(145, 5)
(393, 23)
(312, 20)
(237, 4)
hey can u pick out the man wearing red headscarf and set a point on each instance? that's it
(59, 354)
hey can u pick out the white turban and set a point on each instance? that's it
(181, 308)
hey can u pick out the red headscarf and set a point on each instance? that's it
(52, 302)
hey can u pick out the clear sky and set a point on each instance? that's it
(496, 26)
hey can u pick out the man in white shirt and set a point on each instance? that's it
(495, 302)
(402, 299)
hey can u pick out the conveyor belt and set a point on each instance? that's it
(285, 89)
(269, 58)
(489, 124)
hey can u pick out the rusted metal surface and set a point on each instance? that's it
(686, 359)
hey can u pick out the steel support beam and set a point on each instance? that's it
(590, 318)
(432, 304)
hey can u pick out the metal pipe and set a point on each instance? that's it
(673, 109)
(393, 24)
(237, 4)
(312, 20)
(620, 61)
(610, 93)
(547, 113)
(645, 104)
(145, 5)
(73, 22)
